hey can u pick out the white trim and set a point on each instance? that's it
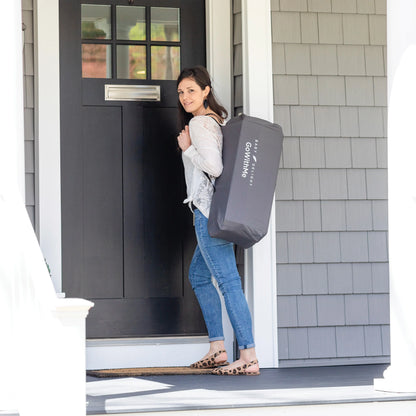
(219, 45)
(219, 49)
(49, 149)
(258, 102)
(144, 352)
(121, 342)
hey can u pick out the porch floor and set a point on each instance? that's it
(282, 388)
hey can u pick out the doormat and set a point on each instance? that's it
(151, 371)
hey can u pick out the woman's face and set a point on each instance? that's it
(192, 96)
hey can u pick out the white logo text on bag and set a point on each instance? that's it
(250, 160)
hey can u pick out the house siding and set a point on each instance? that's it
(29, 110)
(330, 97)
(237, 58)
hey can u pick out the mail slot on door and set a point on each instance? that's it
(132, 92)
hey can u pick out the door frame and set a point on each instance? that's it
(105, 353)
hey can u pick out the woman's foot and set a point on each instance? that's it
(212, 360)
(239, 368)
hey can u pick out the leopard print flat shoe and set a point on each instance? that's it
(210, 362)
(238, 371)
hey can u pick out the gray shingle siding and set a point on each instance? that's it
(29, 110)
(237, 58)
(330, 97)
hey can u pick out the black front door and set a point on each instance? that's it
(127, 237)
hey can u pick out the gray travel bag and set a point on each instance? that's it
(243, 197)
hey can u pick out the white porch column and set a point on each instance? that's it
(11, 176)
(258, 102)
(49, 152)
(401, 42)
(42, 348)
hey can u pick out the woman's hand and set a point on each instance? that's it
(184, 139)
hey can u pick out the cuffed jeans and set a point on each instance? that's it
(215, 257)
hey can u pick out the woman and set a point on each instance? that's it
(201, 144)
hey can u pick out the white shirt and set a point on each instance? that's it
(204, 155)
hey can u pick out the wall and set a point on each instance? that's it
(29, 110)
(329, 66)
(237, 58)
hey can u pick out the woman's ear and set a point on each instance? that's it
(206, 91)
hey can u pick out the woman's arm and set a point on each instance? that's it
(205, 151)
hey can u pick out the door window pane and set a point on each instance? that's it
(131, 61)
(131, 23)
(96, 61)
(95, 21)
(165, 24)
(166, 62)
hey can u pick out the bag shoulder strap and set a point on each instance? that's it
(214, 118)
(210, 180)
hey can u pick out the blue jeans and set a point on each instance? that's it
(215, 257)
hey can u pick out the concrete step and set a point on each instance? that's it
(402, 408)
(288, 391)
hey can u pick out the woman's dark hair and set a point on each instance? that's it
(201, 76)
